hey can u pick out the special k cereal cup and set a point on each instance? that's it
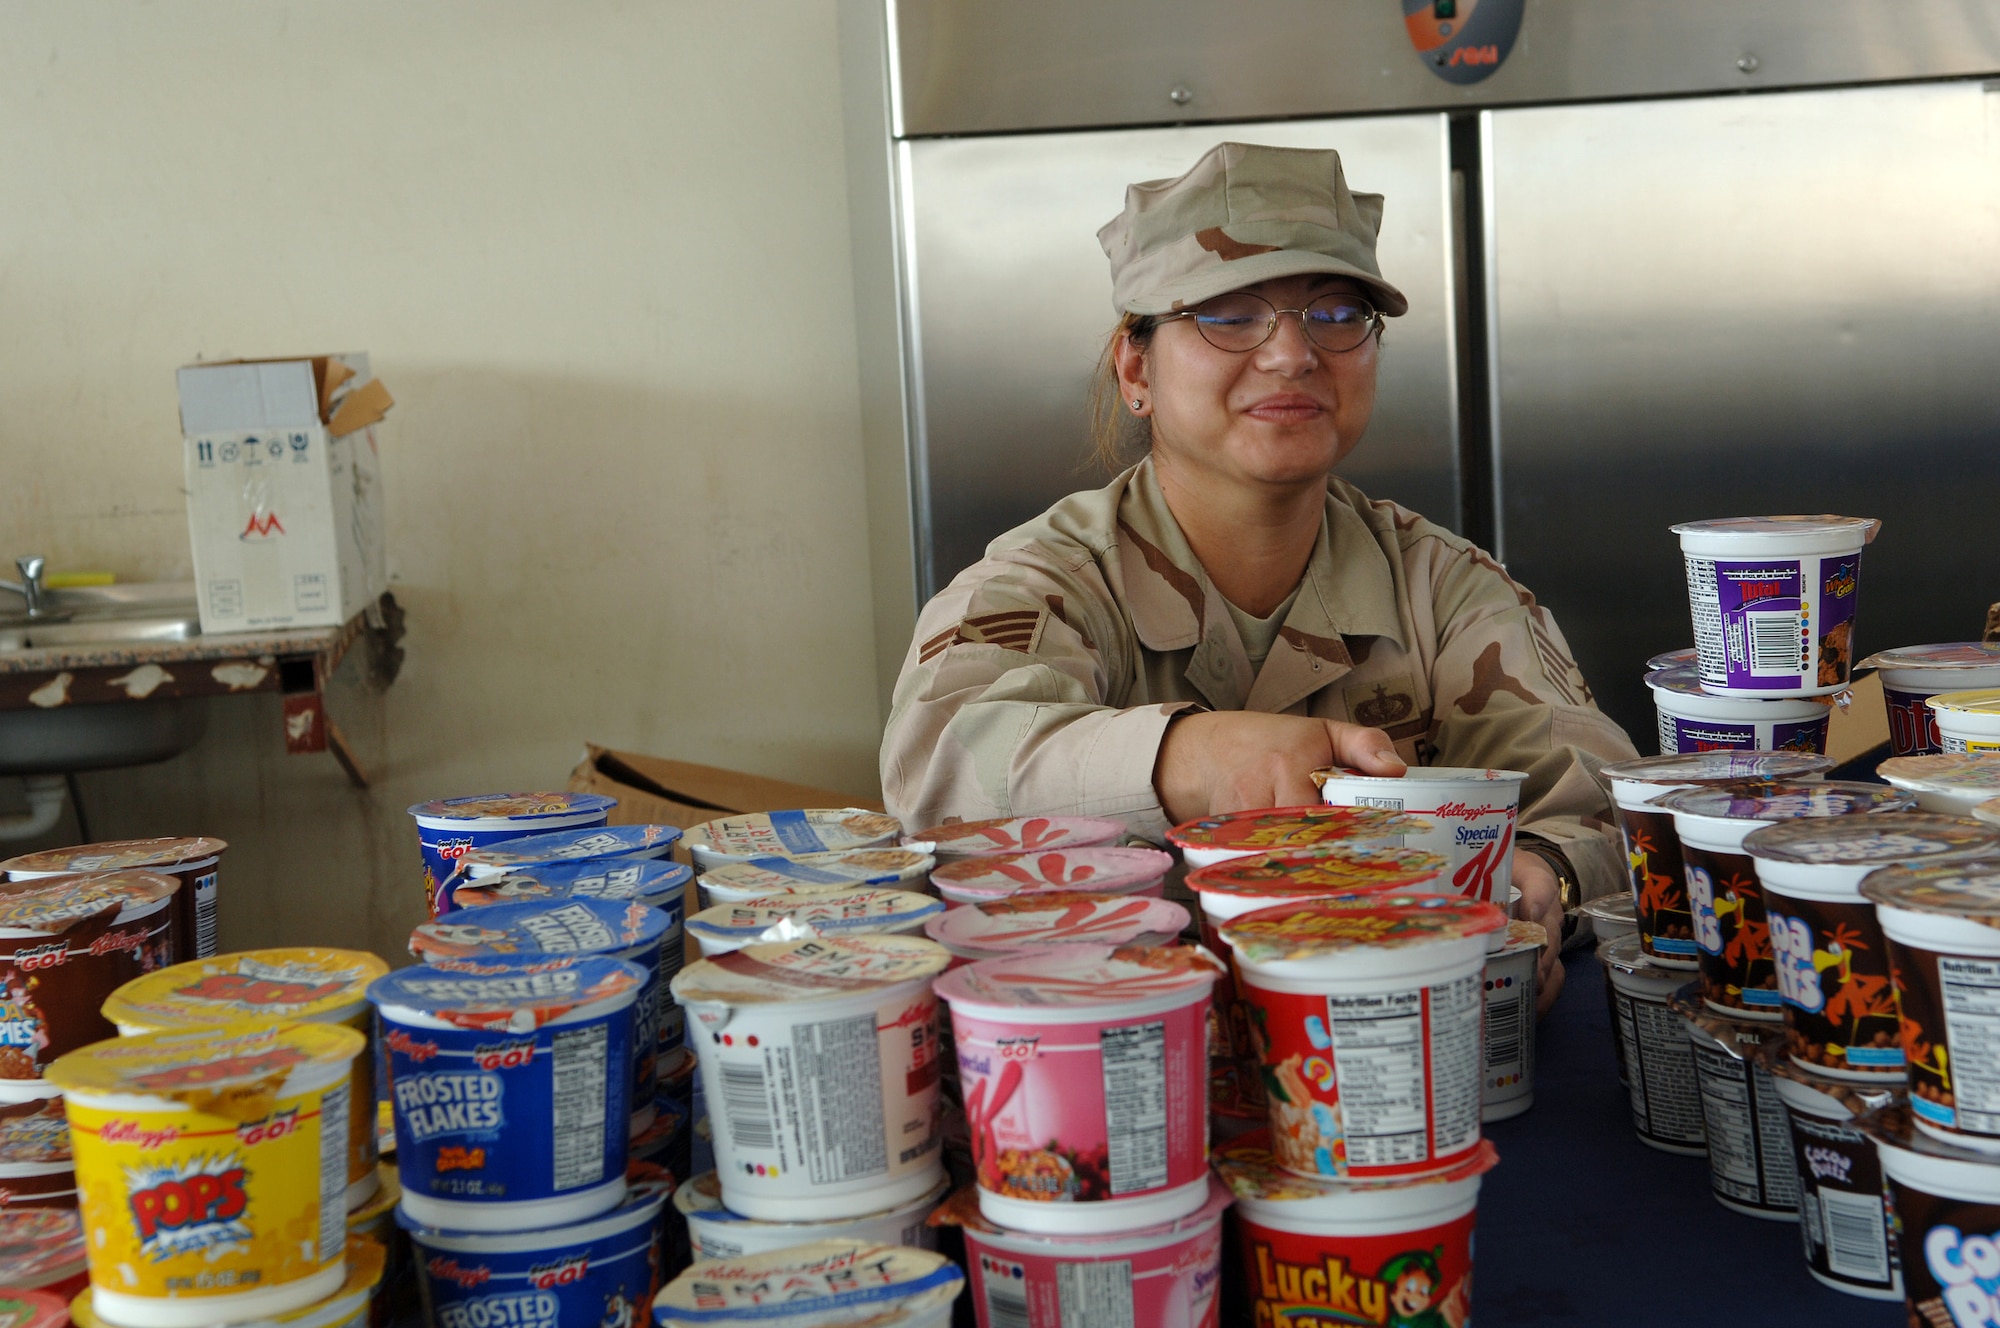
(1212, 839)
(1104, 869)
(1016, 834)
(1472, 813)
(1020, 923)
(212, 1170)
(447, 827)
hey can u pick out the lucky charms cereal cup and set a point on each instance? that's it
(42, 1248)
(36, 1170)
(347, 1307)
(1397, 1250)
(1695, 720)
(1472, 814)
(1507, 1051)
(1847, 1228)
(1912, 675)
(1163, 1276)
(66, 943)
(1658, 1060)
(819, 1059)
(1773, 601)
(1104, 869)
(1370, 1019)
(789, 834)
(1213, 839)
(890, 868)
(1020, 923)
(447, 827)
(825, 1283)
(212, 1170)
(599, 845)
(263, 988)
(1968, 721)
(863, 912)
(1750, 1169)
(1016, 834)
(1949, 783)
(1947, 1214)
(1084, 1073)
(716, 1233)
(192, 860)
(512, 1087)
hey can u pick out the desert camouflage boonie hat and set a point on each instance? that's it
(1244, 213)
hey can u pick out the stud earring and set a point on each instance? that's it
(1137, 404)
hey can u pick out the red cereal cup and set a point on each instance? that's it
(1056, 918)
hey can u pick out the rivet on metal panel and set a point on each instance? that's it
(1181, 94)
(1748, 63)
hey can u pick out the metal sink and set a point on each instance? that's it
(107, 615)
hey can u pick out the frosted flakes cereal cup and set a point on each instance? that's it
(36, 1170)
(833, 913)
(1084, 1073)
(1507, 1051)
(42, 1248)
(1912, 675)
(813, 1286)
(1021, 923)
(819, 1059)
(1949, 783)
(212, 1170)
(1659, 1062)
(1750, 1168)
(1472, 815)
(192, 860)
(555, 848)
(1968, 721)
(1369, 1017)
(66, 943)
(653, 881)
(1847, 1228)
(789, 834)
(264, 988)
(447, 827)
(1105, 869)
(1694, 720)
(1947, 1212)
(1773, 599)
(753, 878)
(1016, 834)
(347, 1307)
(1213, 839)
(1403, 1249)
(716, 1233)
(512, 1087)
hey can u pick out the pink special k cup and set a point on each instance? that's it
(1021, 923)
(1084, 1073)
(1472, 814)
(1207, 840)
(1101, 869)
(1016, 834)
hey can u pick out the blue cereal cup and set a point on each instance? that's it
(448, 827)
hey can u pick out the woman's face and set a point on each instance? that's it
(1282, 414)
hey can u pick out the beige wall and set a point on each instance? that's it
(598, 251)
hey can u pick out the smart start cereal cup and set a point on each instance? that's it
(1947, 1215)
(1694, 720)
(192, 860)
(1021, 923)
(1472, 814)
(512, 1088)
(36, 1170)
(819, 1059)
(601, 1272)
(347, 1307)
(212, 1170)
(789, 834)
(1750, 1168)
(865, 912)
(1949, 783)
(653, 881)
(1084, 1073)
(1847, 1228)
(890, 868)
(1163, 1276)
(1213, 839)
(264, 988)
(1371, 1252)
(1658, 1060)
(1912, 675)
(1107, 869)
(66, 943)
(812, 1286)
(34, 1309)
(1507, 1051)
(1773, 600)
(447, 827)
(1725, 892)
(1015, 834)
(717, 1233)
(42, 1248)
(1369, 1018)
(554, 848)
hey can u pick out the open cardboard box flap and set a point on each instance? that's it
(652, 790)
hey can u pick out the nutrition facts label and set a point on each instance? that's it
(1098, 1294)
(834, 1081)
(578, 1059)
(1749, 1156)
(1135, 1106)
(1385, 1068)
(333, 1109)
(1660, 1069)
(1706, 607)
(1970, 989)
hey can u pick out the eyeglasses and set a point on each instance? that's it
(1240, 322)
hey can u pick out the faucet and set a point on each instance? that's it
(29, 587)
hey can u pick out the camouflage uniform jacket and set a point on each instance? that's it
(1042, 678)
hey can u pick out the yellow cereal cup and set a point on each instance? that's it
(346, 1308)
(211, 1170)
(258, 988)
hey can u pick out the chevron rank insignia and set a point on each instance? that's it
(1014, 629)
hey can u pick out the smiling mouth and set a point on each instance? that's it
(1287, 410)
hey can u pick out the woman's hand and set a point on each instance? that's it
(1541, 901)
(1235, 760)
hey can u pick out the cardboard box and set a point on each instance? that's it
(652, 790)
(284, 490)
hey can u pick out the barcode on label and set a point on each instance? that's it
(1006, 1304)
(1774, 643)
(1856, 1240)
(746, 1106)
(1503, 1031)
(204, 916)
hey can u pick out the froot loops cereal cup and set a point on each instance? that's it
(512, 1087)
(1947, 1212)
(36, 1170)
(1658, 1059)
(447, 827)
(1213, 839)
(1402, 1249)
(716, 1233)
(192, 860)
(820, 1062)
(212, 1170)
(1105, 869)
(789, 834)
(347, 1307)
(264, 988)
(1694, 720)
(1750, 1168)
(597, 845)
(1016, 834)
(752, 878)
(1912, 675)
(652, 881)
(1084, 1073)
(812, 1286)
(1847, 1229)
(42, 1248)
(1472, 814)
(1038, 921)
(1950, 783)
(863, 912)
(1369, 1014)
(1773, 599)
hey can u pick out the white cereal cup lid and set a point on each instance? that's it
(811, 1286)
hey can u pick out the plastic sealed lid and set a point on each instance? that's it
(259, 986)
(31, 1309)
(1785, 800)
(1944, 772)
(37, 1244)
(34, 1133)
(1310, 928)
(615, 878)
(1619, 907)
(861, 866)
(1103, 867)
(1862, 526)
(1945, 655)
(55, 904)
(1668, 659)
(1958, 889)
(1988, 812)
(1251, 1171)
(828, 912)
(473, 993)
(589, 844)
(1018, 834)
(1524, 935)
(536, 929)
(1343, 867)
(1627, 953)
(1083, 976)
(117, 855)
(809, 969)
(1983, 701)
(827, 1282)
(1719, 767)
(790, 833)
(1057, 917)
(507, 806)
(1859, 840)
(225, 1071)
(1274, 828)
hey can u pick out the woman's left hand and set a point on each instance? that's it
(1541, 901)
